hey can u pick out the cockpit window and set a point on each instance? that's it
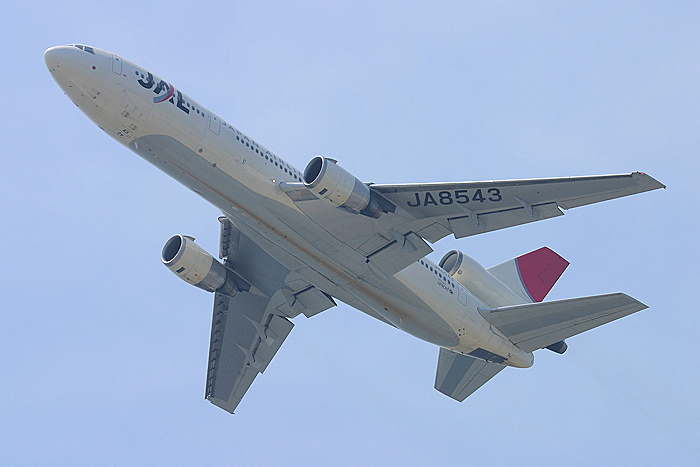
(85, 48)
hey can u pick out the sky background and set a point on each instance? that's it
(103, 351)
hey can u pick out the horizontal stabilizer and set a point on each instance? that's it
(458, 376)
(537, 325)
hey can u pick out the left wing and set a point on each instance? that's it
(470, 208)
(249, 328)
(416, 213)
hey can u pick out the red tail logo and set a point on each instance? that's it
(539, 270)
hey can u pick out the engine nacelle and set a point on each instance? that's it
(191, 263)
(338, 187)
(476, 279)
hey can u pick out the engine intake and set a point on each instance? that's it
(338, 187)
(191, 263)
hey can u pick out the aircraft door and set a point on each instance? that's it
(116, 64)
(214, 124)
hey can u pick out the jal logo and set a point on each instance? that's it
(163, 91)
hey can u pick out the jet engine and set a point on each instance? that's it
(338, 187)
(476, 279)
(191, 263)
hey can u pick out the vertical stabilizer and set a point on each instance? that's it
(533, 274)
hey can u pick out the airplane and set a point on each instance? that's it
(296, 242)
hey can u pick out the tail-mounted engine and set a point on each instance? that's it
(191, 263)
(484, 285)
(338, 187)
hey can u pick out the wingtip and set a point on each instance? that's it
(650, 182)
(639, 305)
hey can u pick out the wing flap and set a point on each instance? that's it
(458, 376)
(474, 224)
(536, 325)
(372, 249)
(395, 256)
(308, 300)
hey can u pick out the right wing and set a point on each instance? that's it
(537, 325)
(458, 376)
(244, 338)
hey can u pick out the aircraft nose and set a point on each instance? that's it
(75, 62)
(79, 70)
(55, 55)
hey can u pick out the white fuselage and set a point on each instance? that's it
(242, 178)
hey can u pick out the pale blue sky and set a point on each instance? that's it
(103, 351)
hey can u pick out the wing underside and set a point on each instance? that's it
(470, 208)
(249, 328)
(244, 339)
